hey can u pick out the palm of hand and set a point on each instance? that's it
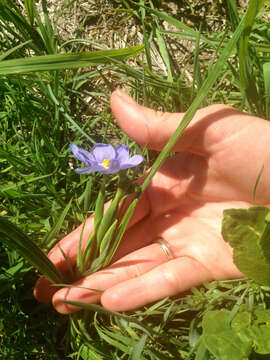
(216, 169)
(179, 207)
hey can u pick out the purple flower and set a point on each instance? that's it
(105, 158)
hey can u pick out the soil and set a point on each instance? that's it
(107, 23)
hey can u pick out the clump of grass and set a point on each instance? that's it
(42, 112)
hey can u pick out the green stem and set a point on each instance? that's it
(207, 85)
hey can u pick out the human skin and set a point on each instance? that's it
(218, 160)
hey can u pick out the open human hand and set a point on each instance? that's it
(219, 157)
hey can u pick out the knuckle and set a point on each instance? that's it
(171, 277)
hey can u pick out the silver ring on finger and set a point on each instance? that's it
(165, 247)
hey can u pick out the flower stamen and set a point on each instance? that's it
(105, 163)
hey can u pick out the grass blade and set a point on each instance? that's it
(57, 226)
(208, 83)
(138, 348)
(15, 48)
(266, 75)
(65, 61)
(247, 78)
(29, 7)
(120, 231)
(102, 310)
(15, 239)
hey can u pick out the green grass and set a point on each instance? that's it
(46, 199)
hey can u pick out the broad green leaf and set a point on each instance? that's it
(235, 340)
(261, 335)
(243, 229)
(260, 331)
(65, 61)
(225, 341)
(15, 239)
(265, 240)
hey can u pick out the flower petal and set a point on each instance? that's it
(115, 166)
(133, 161)
(122, 153)
(82, 154)
(85, 170)
(103, 151)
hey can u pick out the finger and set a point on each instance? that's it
(69, 245)
(153, 128)
(136, 237)
(130, 266)
(168, 279)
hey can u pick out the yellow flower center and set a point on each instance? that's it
(105, 163)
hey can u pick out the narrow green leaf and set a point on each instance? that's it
(56, 228)
(65, 61)
(256, 184)
(99, 263)
(120, 232)
(15, 239)
(164, 54)
(109, 216)
(29, 7)
(15, 160)
(87, 194)
(12, 50)
(146, 40)
(69, 266)
(81, 255)
(79, 287)
(138, 348)
(67, 116)
(105, 242)
(27, 180)
(247, 78)
(102, 310)
(208, 83)
(266, 76)
(99, 209)
(233, 14)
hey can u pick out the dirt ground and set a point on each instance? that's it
(107, 23)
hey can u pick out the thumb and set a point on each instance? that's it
(154, 128)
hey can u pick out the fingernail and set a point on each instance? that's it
(125, 96)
